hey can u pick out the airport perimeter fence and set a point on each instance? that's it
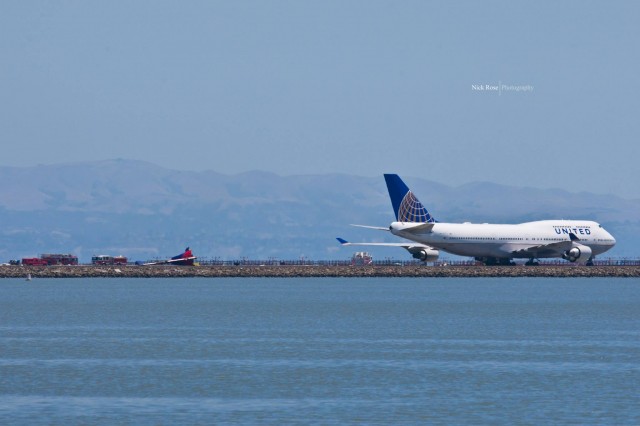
(395, 262)
(385, 262)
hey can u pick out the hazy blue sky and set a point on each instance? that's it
(360, 87)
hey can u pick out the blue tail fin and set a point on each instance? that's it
(405, 205)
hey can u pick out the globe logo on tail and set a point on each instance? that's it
(412, 210)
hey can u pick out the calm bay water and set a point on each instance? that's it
(325, 351)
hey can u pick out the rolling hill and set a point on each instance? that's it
(145, 211)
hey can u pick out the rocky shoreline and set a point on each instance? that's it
(297, 271)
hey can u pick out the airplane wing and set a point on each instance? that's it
(549, 250)
(379, 228)
(419, 228)
(544, 250)
(413, 248)
(417, 250)
(169, 261)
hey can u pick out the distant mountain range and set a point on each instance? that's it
(144, 211)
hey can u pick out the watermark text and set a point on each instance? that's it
(501, 87)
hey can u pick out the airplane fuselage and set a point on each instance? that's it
(577, 241)
(509, 241)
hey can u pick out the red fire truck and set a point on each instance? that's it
(361, 258)
(104, 259)
(34, 261)
(60, 259)
(51, 259)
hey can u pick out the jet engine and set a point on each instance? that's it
(578, 253)
(426, 255)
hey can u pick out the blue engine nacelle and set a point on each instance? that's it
(578, 253)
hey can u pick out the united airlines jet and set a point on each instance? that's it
(574, 240)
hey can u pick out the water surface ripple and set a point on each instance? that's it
(320, 351)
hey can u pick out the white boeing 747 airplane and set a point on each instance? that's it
(574, 240)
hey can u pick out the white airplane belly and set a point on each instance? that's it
(477, 249)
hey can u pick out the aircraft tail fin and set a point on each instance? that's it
(185, 258)
(406, 206)
(187, 253)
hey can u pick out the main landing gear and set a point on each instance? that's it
(532, 262)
